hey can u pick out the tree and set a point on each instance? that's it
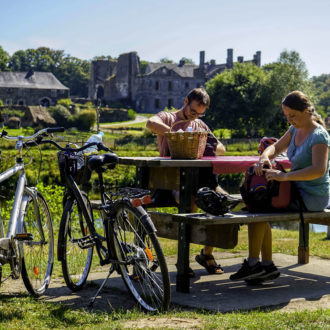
(187, 60)
(165, 60)
(250, 97)
(322, 87)
(4, 59)
(239, 99)
(71, 71)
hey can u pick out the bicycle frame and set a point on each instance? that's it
(75, 191)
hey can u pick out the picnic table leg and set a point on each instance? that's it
(303, 249)
(187, 186)
(142, 177)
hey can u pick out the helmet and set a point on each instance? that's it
(265, 142)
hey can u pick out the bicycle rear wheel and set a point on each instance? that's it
(142, 262)
(37, 253)
(75, 250)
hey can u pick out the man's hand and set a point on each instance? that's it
(156, 125)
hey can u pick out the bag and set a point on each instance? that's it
(215, 203)
(260, 195)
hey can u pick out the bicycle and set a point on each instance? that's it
(130, 244)
(29, 243)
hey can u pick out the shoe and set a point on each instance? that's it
(271, 273)
(213, 268)
(247, 272)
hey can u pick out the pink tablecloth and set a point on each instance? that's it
(237, 164)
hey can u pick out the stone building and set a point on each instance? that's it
(160, 85)
(31, 88)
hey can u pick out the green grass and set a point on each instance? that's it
(25, 312)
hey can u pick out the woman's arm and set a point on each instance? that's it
(315, 171)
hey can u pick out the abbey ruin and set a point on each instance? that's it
(160, 85)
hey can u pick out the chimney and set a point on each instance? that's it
(212, 62)
(181, 63)
(201, 58)
(29, 74)
(258, 58)
(229, 63)
(240, 59)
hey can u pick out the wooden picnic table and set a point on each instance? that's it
(181, 175)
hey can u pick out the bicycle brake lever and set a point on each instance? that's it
(4, 133)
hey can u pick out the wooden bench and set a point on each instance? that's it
(201, 228)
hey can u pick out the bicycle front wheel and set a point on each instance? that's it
(141, 260)
(75, 247)
(37, 252)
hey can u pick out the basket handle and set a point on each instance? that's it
(183, 121)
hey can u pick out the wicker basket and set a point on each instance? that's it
(186, 145)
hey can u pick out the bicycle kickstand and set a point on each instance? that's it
(91, 303)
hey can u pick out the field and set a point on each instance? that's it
(22, 311)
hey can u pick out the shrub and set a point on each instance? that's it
(131, 114)
(61, 114)
(84, 120)
(65, 102)
(14, 122)
(1, 103)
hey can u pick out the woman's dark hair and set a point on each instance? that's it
(200, 96)
(298, 101)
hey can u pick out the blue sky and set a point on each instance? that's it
(172, 28)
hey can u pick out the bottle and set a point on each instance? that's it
(93, 149)
(93, 138)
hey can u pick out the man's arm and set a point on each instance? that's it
(221, 150)
(157, 126)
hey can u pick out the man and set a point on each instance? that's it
(194, 107)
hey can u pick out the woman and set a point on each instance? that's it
(307, 144)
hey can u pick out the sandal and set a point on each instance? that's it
(213, 268)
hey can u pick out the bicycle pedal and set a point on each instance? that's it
(24, 237)
(85, 242)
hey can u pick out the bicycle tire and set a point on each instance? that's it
(76, 261)
(136, 245)
(37, 254)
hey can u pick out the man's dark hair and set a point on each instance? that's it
(199, 95)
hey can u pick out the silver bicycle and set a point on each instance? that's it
(29, 244)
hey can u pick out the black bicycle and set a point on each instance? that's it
(128, 241)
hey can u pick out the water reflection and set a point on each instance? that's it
(289, 225)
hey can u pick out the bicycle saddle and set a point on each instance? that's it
(99, 161)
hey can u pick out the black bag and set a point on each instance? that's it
(215, 203)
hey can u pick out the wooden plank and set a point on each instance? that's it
(245, 217)
(164, 162)
(221, 236)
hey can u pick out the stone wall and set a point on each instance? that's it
(24, 96)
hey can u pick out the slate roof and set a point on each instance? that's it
(33, 80)
(184, 71)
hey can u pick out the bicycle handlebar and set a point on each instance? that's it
(100, 146)
(44, 131)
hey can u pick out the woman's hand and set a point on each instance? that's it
(264, 162)
(275, 175)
